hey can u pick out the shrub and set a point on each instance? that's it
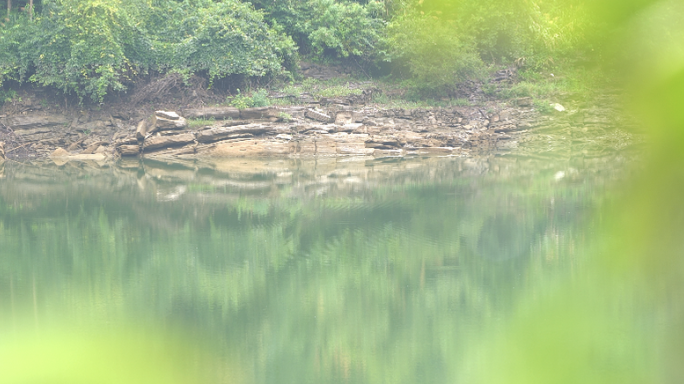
(432, 49)
(91, 47)
(260, 98)
(257, 99)
(330, 28)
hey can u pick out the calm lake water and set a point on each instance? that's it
(298, 271)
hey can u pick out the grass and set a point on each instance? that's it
(539, 84)
(198, 123)
(337, 87)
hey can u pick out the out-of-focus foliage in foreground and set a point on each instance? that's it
(115, 355)
(442, 43)
(621, 322)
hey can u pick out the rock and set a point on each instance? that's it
(506, 128)
(129, 150)
(558, 107)
(344, 117)
(306, 98)
(351, 144)
(101, 149)
(2, 150)
(168, 141)
(315, 146)
(255, 113)
(349, 127)
(248, 148)
(90, 156)
(27, 122)
(318, 116)
(216, 113)
(387, 142)
(127, 140)
(161, 123)
(60, 152)
(141, 130)
(93, 126)
(432, 151)
(167, 115)
(220, 133)
(92, 147)
(294, 112)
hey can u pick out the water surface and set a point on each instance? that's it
(294, 271)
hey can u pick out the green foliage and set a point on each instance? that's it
(91, 47)
(260, 98)
(346, 28)
(257, 99)
(330, 28)
(442, 43)
(337, 87)
(435, 54)
(543, 106)
(198, 123)
(284, 116)
(217, 38)
(339, 91)
(240, 101)
(6, 96)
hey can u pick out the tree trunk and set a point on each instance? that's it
(30, 9)
(9, 8)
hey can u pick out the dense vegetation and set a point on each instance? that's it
(92, 48)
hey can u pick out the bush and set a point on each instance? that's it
(92, 47)
(74, 45)
(330, 28)
(444, 42)
(436, 56)
(257, 99)
(219, 39)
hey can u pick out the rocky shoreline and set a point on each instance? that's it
(332, 129)
(347, 126)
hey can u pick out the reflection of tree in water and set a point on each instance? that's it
(385, 280)
(505, 236)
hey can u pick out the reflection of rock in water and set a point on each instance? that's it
(504, 237)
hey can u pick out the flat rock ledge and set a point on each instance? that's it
(300, 131)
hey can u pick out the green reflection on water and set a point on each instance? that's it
(302, 272)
